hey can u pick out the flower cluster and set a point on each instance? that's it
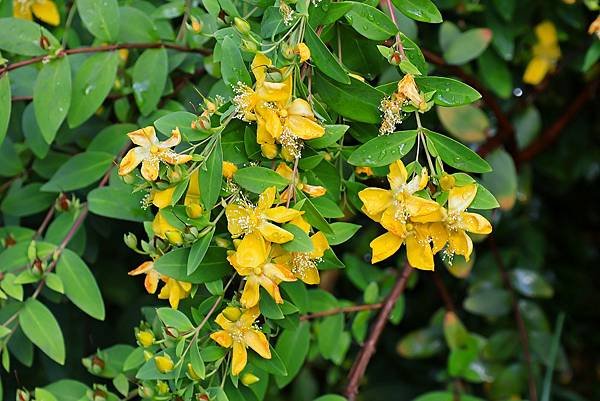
(280, 118)
(425, 226)
(406, 94)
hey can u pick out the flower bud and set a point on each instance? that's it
(269, 150)
(229, 169)
(174, 237)
(222, 242)
(273, 75)
(232, 313)
(303, 51)
(148, 355)
(62, 203)
(172, 332)
(128, 179)
(98, 394)
(192, 373)
(22, 395)
(38, 267)
(9, 241)
(395, 58)
(288, 52)
(194, 210)
(249, 46)
(123, 54)
(447, 182)
(164, 363)
(97, 364)
(145, 391)
(196, 25)
(44, 42)
(130, 240)
(162, 387)
(249, 379)
(210, 107)
(145, 338)
(174, 174)
(241, 25)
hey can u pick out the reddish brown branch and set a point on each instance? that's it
(105, 48)
(443, 291)
(368, 349)
(523, 337)
(551, 134)
(345, 309)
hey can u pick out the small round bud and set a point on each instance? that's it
(395, 58)
(162, 387)
(222, 242)
(145, 392)
(211, 107)
(249, 379)
(249, 46)
(174, 174)
(99, 395)
(194, 210)
(22, 395)
(273, 75)
(44, 42)
(97, 365)
(38, 267)
(229, 169)
(130, 240)
(303, 51)
(288, 52)
(269, 150)
(232, 313)
(174, 237)
(164, 363)
(447, 182)
(196, 25)
(145, 338)
(241, 25)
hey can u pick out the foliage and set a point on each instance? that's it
(288, 176)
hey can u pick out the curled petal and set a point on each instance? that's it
(267, 198)
(304, 128)
(223, 322)
(314, 191)
(131, 160)
(391, 223)
(259, 67)
(320, 245)
(300, 222)
(151, 281)
(285, 171)
(249, 316)
(398, 174)
(143, 268)
(300, 107)
(144, 137)
(439, 236)
(192, 196)
(461, 244)
(475, 223)
(271, 287)
(385, 246)
(174, 140)
(174, 158)
(278, 273)
(251, 293)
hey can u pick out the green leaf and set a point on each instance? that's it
(414, 54)
(179, 119)
(456, 154)
(44, 395)
(494, 72)
(333, 133)
(67, 390)
(233, 67)
(111, 139)
(449, 92)
(26, 200)
(342, 232)
(275, 365)
(213, 267)
(419, 10)
(20, 36)
(530, 284)
(80, 171)
(174, 318)
(370, 22)
(364, 106)
(468, 46)
(118, 203)
(11, 288)
(136, 27)
(10, 162)
(331, 397)
(18, 255)
(196, 361)
(92, 84)
(149, 79)
(80, 285)
(502, 181)
(257, 179)
(5, 105)
(32, 133)
(484, 199)
(52, 96)
(211, 176)
(292, 346)
(268, 307)
(301, 241)
(101, 18)
(491, 302)
(328, 334)
(383, 150)
(322, 57)
(466, 123)
(40, 326)
(197, 252)
(418, 344)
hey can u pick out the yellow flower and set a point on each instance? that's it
(304, 264)
(44, 10)
(150, 152)
(164, 363)
(366, 171)
(408, 92)
(403, 215)
(546, 53)
(161, 226)
(457, 222)
(253, 223)
(286, 172)
(162, 198)
(391, 106)
(239, 335)
(229, 169)
(264, 273)
(303, 51)
(595, 27)
(145, 338)
(173, 290)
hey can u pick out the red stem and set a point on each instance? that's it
(346, 309)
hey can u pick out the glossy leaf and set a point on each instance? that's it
(383, 150)
(117, 203)
(20, 36)
(52, 96)
(468, 45)
(211, 176)
(80, 171)
(448, 92)
(5, 105)
(419, 10)
(370, 22)
(323, 59)
(456, 154)
(40, 326)
(257, 179)
(149, 79)
(101, 18)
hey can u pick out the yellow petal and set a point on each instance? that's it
(438, 235)
(151, 281)
(150, 169)
(282, 214)
(300, 222)
(419, 253)
(271, 287)
(310, 275)
(239, 359)
(258, 342)
(22, 10)
(163, 198)
(275, 234)
(375, 200)
(285, 171)
(141, 269)
(252, 250)
(272, 122)
(278, 273)
(174, 140)
(320, 245)
(385, 246)
(267, 198)
(459, 198)
(536, 70)
(546, 33)
(46, 11)
(249, 316)
(393, 224)
(259, 67)
(460, 243)
(161, 226)
(237, 216)
(314, 191)
(304, 128)
(250, 294)
(275, 91)
(398, 174)
(422, 210)
(144, 137)
(192, 196)
(131, 160)
(475, 223)
(222, 338)
(174, 158)
(264, 137)
(300, 107)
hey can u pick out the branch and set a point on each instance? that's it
(551, 134)
(105, 48)
(443, 291)
(346, 309)
(518, 317)
(364, 356)
(506, 131)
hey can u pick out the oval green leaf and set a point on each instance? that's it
(383, 150)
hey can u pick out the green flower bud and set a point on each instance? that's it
(241, 25)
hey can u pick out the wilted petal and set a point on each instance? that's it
(131, 160)
(150, 169)
(174, 140)
(459, 198)
(145, 137)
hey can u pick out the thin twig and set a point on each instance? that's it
(523, 337)
(368, 349)
(399, 46)
(345, 309)
(443, 291)
(45, 222)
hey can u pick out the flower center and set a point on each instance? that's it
(154, 149)
(258, 271)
